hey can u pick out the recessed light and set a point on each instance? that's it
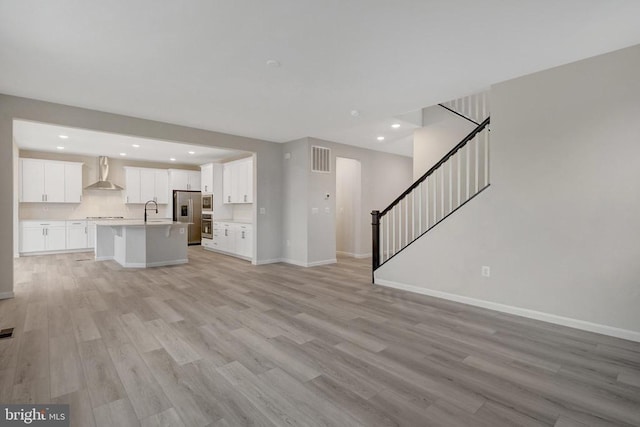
(60, 148)
(63, 136)
(135, 146)
(172, 159)
(192, 152)
(123, 154)
(380, 138)
(355, 113)
(273, 63)
(395, 125)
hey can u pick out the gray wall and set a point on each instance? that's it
(384, 177)
(349, 207)
(295, 186)
(559, 225)
(268, 158)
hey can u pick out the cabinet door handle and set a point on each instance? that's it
(245, 197)
(228, 198)
(85, 230)
(226, 232)
(127, 199)
(243, 234)
(43, 231)
(46, 197)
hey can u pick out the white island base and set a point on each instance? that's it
(136, 244)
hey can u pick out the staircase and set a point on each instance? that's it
(459, 176)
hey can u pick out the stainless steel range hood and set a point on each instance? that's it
(103, 177)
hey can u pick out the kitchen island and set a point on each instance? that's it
(139, 244)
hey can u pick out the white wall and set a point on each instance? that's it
(441, 131)
(348, 207)
(559, 225)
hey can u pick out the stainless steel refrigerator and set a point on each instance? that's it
(187, 207)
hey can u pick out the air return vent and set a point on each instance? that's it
(320, 159)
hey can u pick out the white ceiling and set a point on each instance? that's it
(45, 137)
(202, 63)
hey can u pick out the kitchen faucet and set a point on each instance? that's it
(145, 208)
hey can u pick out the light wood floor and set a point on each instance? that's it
(222, 343)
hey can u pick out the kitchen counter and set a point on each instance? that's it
(136, 222)
(231, 221)
(136, 244)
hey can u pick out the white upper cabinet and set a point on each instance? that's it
(227, 177)
(184, 180)
(162, 187)
(238, 181)
(144, 184)
(147, 185)
(73, 182)
(206, 178)
(50, 181)
(132, 185)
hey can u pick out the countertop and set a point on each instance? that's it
(232, 221)
(139, 223)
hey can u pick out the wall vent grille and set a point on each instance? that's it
(320, 159)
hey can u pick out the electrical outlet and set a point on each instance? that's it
(182, 231)
(314, 210)
(327, 210)
(486, 271)
(263, 211)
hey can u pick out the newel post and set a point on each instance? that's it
(375, 250)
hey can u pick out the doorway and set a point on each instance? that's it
(349, 233)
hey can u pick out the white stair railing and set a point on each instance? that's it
(454, 180)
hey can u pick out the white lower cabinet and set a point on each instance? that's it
(77, 235)
(91, 234)
(56, 236)
(243, 240)
(232, 238)
(40, 236)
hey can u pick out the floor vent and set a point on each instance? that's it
(320, 159)
(6, 333)
(84, 259)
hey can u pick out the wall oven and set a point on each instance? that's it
(207, 202)
(207, 226)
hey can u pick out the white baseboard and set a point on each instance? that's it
(165, 263)
(323, 262)
(294, 262)
(268, 261)
(524, 312)
(65, 251)
(309, 264)
(228, 253)
(354, 255)
(6, 295)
